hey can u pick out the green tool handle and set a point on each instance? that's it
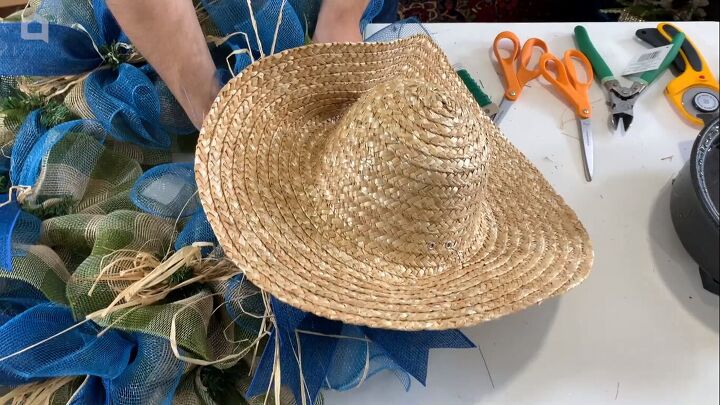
(677, 42)
(586, 46)
(479, 95)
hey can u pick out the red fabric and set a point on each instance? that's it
(462, 10)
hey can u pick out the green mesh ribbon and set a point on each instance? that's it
(144, 156)
(196, 327)
(202, 331)
(104, 239)
(120, 234)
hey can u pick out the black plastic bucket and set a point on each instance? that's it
(694, 205)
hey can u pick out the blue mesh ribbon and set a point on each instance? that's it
(77, 352)
(197, 229)
(315, 357)
(151, 377)
(18, 230)
(122, 368)
(68, 49)
(92, 391)
(323, 355)
(109, 30)
(167, 190)
(67, 52)
(131, 102)
(127, 103)
(28, 134)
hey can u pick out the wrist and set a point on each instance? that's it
(195, 90)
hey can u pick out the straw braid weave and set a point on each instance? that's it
(362, 183)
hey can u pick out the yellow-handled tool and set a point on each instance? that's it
(694, 93)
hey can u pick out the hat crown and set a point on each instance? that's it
(405, 170)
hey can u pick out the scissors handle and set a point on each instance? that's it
(507, 65)
(515, 79)
(586, 46)
(564, 76)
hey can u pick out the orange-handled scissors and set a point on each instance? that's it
(515, 68)
(564, 77)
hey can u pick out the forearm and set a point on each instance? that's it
(168, 34)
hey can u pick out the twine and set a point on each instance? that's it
(255, 29)
(219, 41)
(277, 27)
(42, 342)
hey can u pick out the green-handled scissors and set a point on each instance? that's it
(620, 98)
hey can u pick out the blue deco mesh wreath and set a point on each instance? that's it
(113, 288)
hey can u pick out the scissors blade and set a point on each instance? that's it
(491, 110)
(587, 148)
(503, 109)
(620, 131)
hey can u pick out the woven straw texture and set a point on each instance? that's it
(362, 183)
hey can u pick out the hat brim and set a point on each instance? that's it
(253, 169)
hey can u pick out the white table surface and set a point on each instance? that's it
(640, 329)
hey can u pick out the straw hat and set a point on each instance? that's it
(362, 183)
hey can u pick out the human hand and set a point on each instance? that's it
(339, 21)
